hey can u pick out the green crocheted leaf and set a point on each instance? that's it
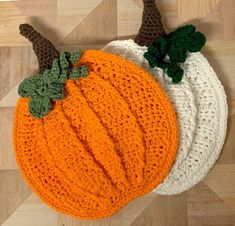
(64, 60)
(42, 91)
(63, 77)
(75, 57)
(182, 32)
(152, 60)
(177, 52)
(49, 86)
(28, 87)
(56, 91)
(154, 51)
(78, 72)
(195, 42)
(40, 106)
(163, 64)
(159, 47)
(83, 71)
(39, 80)
(50, 76)
(175, 72)
(74, 74)
(175, 45)
(47, 76)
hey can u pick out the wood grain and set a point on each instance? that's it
(92, 24)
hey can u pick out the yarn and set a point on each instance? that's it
(176, 52)
(175, 45)
(44, 88)
(202, 135)
(185, 38)
(113, 138)
(211, 127)
(175, 72)
(43, 48)
(181, 95)
(151, 26)
(208, 129)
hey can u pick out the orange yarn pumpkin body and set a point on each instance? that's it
(113, 138)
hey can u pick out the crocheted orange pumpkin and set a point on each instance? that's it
(111, 137)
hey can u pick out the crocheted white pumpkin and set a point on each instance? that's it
(199, 99)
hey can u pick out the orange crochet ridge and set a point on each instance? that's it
(113, 138)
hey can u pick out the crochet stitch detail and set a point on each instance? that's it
(151, 26)
(211, 127)
(181, 96)
(43, 48)
(168, 51)
(201, 107)
(44, 88)
(117, 134)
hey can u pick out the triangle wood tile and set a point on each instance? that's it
(14, 192)
(71, 13)
(16, 63)
(41, 14)
(91, 24)
(206, 208)
(221, 181)
(100, 26)
(165, 211)
(10, 18)
(7, 159)
(228, 154)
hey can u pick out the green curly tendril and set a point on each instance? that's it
(43, 89)
(175, 45)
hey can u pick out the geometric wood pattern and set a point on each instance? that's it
(14, 191)
(92, 24)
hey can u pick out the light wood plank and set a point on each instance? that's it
(41, 214)
(7, 158)
(41, 14)
(13, 191)
(195, 9)
(165, 211)
(86, 32)
(71, 24)
(32, 212)
(128, 18)
(221, 181)
(206, 208)
(228, 154)
(10, 18)
(71, 13)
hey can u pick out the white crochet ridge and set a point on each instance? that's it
(181, 95)
(201, 105)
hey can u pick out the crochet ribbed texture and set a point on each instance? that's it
(211, 127)
(113, 138)
(45, 88)
(181, 96)
(201, 106)
(151, 26)
(43, 48)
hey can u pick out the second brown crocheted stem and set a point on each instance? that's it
(151, 26)
(43, 48)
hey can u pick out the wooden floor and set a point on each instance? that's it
(92, 24)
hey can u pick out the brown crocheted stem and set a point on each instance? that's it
(149, 2)
(43, 48)
(151, 26)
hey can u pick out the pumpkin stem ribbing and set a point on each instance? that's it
(43, 48)
(151, 26)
